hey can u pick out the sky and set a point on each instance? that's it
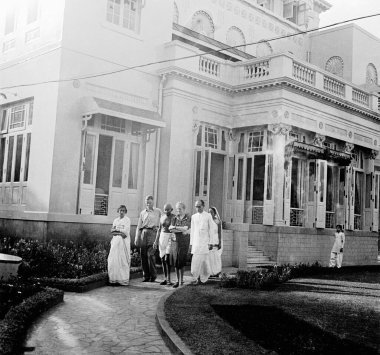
(346, 9)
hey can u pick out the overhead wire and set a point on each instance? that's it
(226, 48)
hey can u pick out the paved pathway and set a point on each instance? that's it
(108, 320)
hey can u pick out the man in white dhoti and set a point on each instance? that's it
(200, 243)
(163, 241)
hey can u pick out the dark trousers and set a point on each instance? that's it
(148, 261)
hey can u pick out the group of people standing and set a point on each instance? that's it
(173, 234)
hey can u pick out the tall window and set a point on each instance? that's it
(32, 14)
(295, 12)
(10, 21)
(15, 142)
(125, 13)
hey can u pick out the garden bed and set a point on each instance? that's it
(303, 316)
(83, 284)
(14, 325)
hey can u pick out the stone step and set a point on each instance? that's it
(260, 265)
(255, 253)
(258, 260)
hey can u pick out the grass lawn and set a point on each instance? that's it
(332, 314)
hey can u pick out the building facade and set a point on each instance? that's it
(231, 102)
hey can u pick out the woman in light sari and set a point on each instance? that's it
(119, 258)
(215, 254)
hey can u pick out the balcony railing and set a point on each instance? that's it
(267, 69)
(303, 73)
(296, 217)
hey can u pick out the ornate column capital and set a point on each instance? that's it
(319, 140)
(279, 128)
(372, 154)
(349, 147)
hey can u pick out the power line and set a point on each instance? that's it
(189, 56)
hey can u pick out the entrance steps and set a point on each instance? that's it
(256, 258)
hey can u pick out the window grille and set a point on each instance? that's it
(255, 141)
(211, 138)
(114, 124)
(17, 117)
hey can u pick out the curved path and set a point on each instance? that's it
(108, 320)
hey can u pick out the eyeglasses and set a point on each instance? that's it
(198, 206)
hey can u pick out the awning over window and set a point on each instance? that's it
(315, 152)
(93, 105)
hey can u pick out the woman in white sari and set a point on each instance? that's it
(215, 254)
(119, 258)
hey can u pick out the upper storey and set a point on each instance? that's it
(240, 23)
(29, 25)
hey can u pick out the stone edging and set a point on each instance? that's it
(172, 340)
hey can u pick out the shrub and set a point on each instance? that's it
(16, 322)
(53, 259)
(270, 277)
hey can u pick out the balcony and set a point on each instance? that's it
(265, 71)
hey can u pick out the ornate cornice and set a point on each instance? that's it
(273, 83)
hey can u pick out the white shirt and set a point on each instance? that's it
(123, 225)
(201, 231)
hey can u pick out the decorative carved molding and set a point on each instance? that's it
(196, 125)
(231, 136)
(279, 128)
(373, 154)
(348, 148)
(319, 140)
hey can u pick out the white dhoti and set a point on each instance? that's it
(200, 266)
(164, 243)
(119, 260)
(215, 257)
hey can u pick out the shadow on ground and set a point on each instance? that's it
(276, 330)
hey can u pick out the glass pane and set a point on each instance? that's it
(377, 192)
(342, 179)
(321, 181)
(330, 190)
(9, 159)
(311, 181)
(248, 180)
(358, 193)
(231, 166)
(368, 190)
(198, 172)
(3, 120)
(17, 165)
(295, 197)
(27, 154)
(241, 143)
(133, 166)
(30, 115)
(32, 11)
(240, 179)
(89, 155)
(258, 180)
(118, 164)
(223, 145)
(2, 156)
(104, 165)
(205, 175)
(269, 177)
(10, 21)
(199, 136)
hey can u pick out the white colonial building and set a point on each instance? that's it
(229, 101)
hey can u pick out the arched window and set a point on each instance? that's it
(175, 13)
(335, 65)
(371, 75)
(202, 23)
(235, 37)
(263, 49)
